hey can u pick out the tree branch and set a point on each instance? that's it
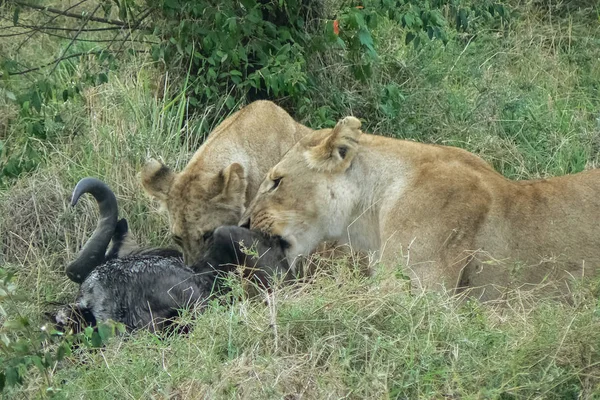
(55, 28)
(70, 15)
(83, 24)
(98, 40)
(46, 24)
(58, 60)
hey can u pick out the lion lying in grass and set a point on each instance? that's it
(441, 212)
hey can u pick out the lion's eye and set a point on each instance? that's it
(276, 183)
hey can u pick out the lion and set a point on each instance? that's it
(223, 175)
(444, 214)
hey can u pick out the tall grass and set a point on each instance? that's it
(527, 100)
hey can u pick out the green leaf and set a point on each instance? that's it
(102, 78)
(437, 18)
(106, 7)
(123, 11)
(10, 95)
(172, 4)
(230, 102)
(48, 360)
(500, 10)
(417, 42)
(408, 20)
(121, 328)
(96, 340)
(36, 101)
(63, 350)
(2, 381)
(37, 361)
(88, 331)
(105, 331)
(16, 15)
(38, 130)
(4, 339)
(362, 72)
(461, 20)
(364, 36)
(14, 325)
(409, 37)
(12, 377)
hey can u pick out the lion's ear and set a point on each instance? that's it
(157, 179)
(234, 183)
(336, 151)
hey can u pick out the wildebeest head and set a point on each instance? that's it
(262, 256)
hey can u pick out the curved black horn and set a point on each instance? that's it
(93, 252)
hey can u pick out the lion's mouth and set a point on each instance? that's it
(247, 223)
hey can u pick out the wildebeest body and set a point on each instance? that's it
(146, 288)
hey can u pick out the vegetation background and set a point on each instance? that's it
(92, 88)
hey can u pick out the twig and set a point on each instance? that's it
(97, 40)
(46, 24)
(77, 34)
(71, 15)
(66, 58)
(15, 34)
(55, 28)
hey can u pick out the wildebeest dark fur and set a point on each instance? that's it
(146, 288)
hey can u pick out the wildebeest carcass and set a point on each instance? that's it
(146, 288)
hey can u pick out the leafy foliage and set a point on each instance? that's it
(252, 49)
(225, 53)
(236, 49)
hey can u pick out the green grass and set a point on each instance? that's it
(526, 100)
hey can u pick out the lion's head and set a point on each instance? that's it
(196, 205)
(307, 197)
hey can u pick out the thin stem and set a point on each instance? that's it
(71, 15)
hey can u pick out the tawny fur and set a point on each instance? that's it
(223, 175)
(441, 213)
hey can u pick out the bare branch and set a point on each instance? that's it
(15, 34)
(55, 28)
(46, 24)
(58, 60)
(85, 21)
(70, 15)
(127, 29)
(99, 40)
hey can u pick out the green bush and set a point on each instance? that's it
(235, 52)
(229, 53)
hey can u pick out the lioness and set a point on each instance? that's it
(223, 175)
(443, 212)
